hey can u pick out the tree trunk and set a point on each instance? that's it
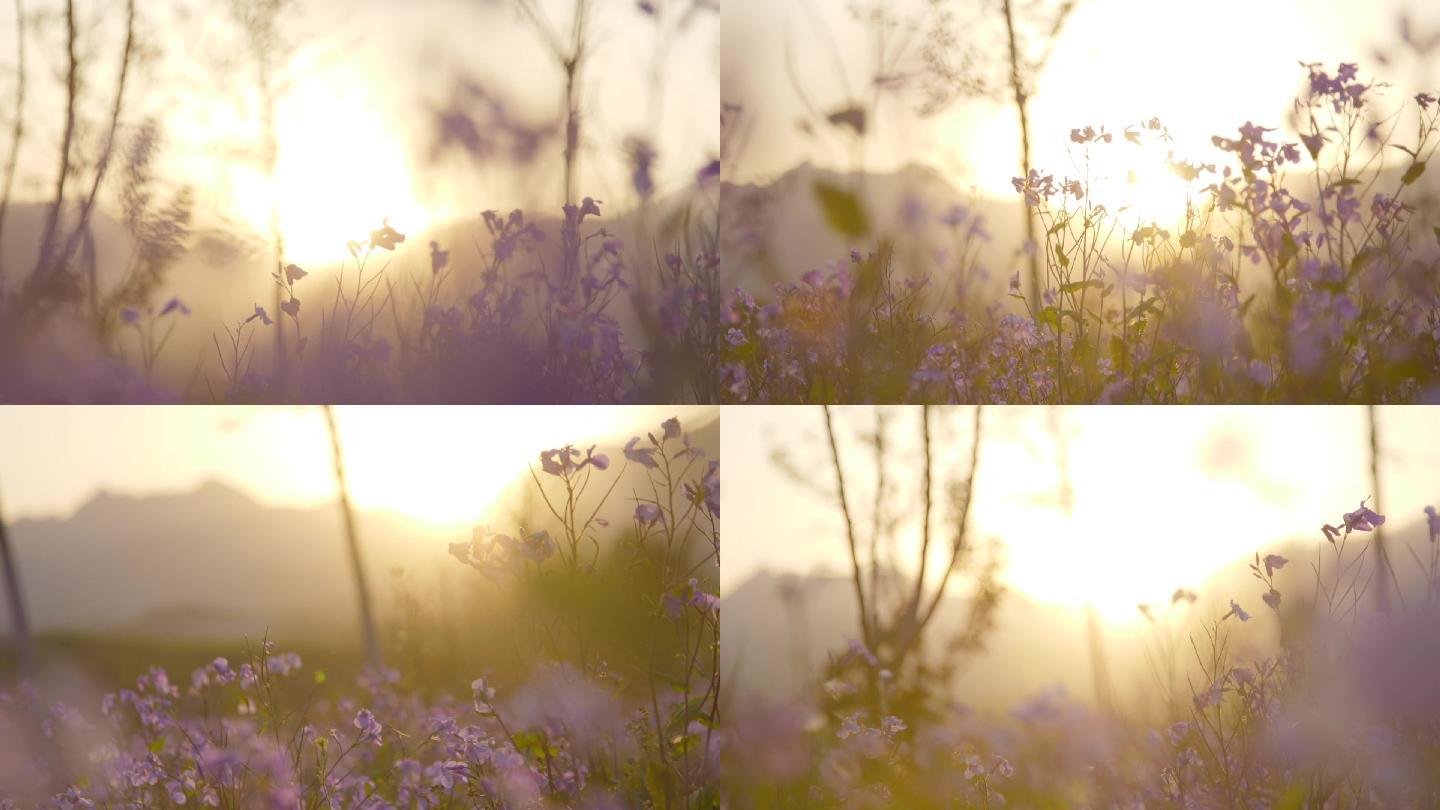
(352, 541)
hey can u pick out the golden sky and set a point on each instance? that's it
(441, 465)
(1202, 67)
(1163, 496)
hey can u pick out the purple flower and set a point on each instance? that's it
(671, 427)
(172, 305)
(370, 728)
(130, 315)
(483, 696)
(293, 273)
(1433, 521)
(647, 513)
(1238, 612)
(451, 773)
(1363, 519)
(599, 462)
(644, 456)
(1273, 563)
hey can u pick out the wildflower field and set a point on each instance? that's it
(600, 687)
(929, 665)
(1302, 269)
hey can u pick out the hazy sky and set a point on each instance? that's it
(1163, 496)
(1202, 68)
(361, 82)
(443, 465)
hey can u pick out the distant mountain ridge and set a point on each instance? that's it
(774, 646)
(159, 565)
(777, 231)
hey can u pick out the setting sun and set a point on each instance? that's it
(341, 170)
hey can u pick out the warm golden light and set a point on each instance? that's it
(445, 467)
(1160, 498)
(342, 168)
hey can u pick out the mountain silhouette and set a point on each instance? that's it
(778, 630)
(214, 562)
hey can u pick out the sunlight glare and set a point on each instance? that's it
(341, 170)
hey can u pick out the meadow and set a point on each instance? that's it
(204, 241)
(1297, 676)
(1302, 269)
(601, 688)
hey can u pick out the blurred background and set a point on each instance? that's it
(167, 536)
(1079, 517)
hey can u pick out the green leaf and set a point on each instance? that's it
(682, 713)
(1077, 286)
(1413, 173)
(842, 209)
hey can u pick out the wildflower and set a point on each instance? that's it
(1272, 599)
(130, 315)
(1363, 519)
(173, 305)
(370, 728)
(539, 546)
(647, 513)
(642, 161)
(644, 456)
(1185, 594)
(599, 462)
(261, 314)
(1211, 697)
(1238, 612)
(387, 237)
(1015, 283)
(1003, 767)
(1178, 732)
(438, 258)
(1433, 521)
(293, 273)
(671, 427)
(1424, 100)
(1273, 563)
(291, 307)
(559, 461)
(483, 695)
